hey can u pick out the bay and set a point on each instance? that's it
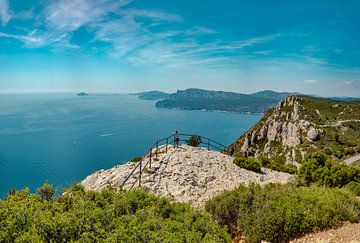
(62, 138)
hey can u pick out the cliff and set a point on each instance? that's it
(301, 124)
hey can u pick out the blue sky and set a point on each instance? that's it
(129, 45)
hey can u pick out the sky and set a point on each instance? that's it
(307, 46)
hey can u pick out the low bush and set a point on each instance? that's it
(276, 164)
(136, 159)
(278, 213)
(354, 187)
(106, 216)
(321, 169)
(194, 141)
(248, 163)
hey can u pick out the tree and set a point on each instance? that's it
(46, 191)
(195, 141)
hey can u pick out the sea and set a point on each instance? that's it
(62, 138)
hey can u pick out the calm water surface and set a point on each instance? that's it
(62, 138)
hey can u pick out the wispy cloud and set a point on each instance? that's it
(5, 15)
(27, 39)
(152, 14)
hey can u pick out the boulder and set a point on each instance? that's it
(313, 134)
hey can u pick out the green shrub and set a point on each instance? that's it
(194, 141)
(327, 151)
(136, 159)
(46, 191)
(276, 165)
(320, 169)
(248, 163)
(354, 187)
(278, 213)
(106, 216)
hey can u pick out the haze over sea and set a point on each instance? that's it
(62, 138)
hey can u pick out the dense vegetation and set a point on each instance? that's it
(248, 163)
(281, 212)
(197, 99)
(108, 216)
(320, 169)
(255, 164)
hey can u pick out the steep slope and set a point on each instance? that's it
(302, 124)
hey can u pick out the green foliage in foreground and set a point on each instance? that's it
(281, 212)
(320, 169)
(107, 216)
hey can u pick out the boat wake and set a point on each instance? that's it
(106, 135)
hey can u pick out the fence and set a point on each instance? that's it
(153, 152)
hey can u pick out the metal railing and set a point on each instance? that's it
(153, 151)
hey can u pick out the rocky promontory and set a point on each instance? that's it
(185, 174)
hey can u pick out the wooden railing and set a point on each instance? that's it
(153, 151)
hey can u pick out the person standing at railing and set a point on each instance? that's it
(176, 138)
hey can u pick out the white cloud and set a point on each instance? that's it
(27, 39)
(151, 14)
(5, 15)
(310, 81)
(200, 30)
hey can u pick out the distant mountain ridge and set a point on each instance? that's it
(198, 99)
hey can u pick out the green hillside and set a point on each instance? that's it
(300, 125)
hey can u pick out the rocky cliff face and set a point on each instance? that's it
(280, 132)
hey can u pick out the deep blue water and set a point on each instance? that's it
(37, 134)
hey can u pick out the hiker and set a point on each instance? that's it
(177, 139)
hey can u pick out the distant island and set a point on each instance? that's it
(152, 95)
(82, 94)
(199, 99)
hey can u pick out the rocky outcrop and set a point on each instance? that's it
(185, 174)
(313, 134)
(279, 133)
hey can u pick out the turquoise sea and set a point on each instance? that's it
(62, 138)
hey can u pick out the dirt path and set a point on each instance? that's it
(353, 159)
(347, 233)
